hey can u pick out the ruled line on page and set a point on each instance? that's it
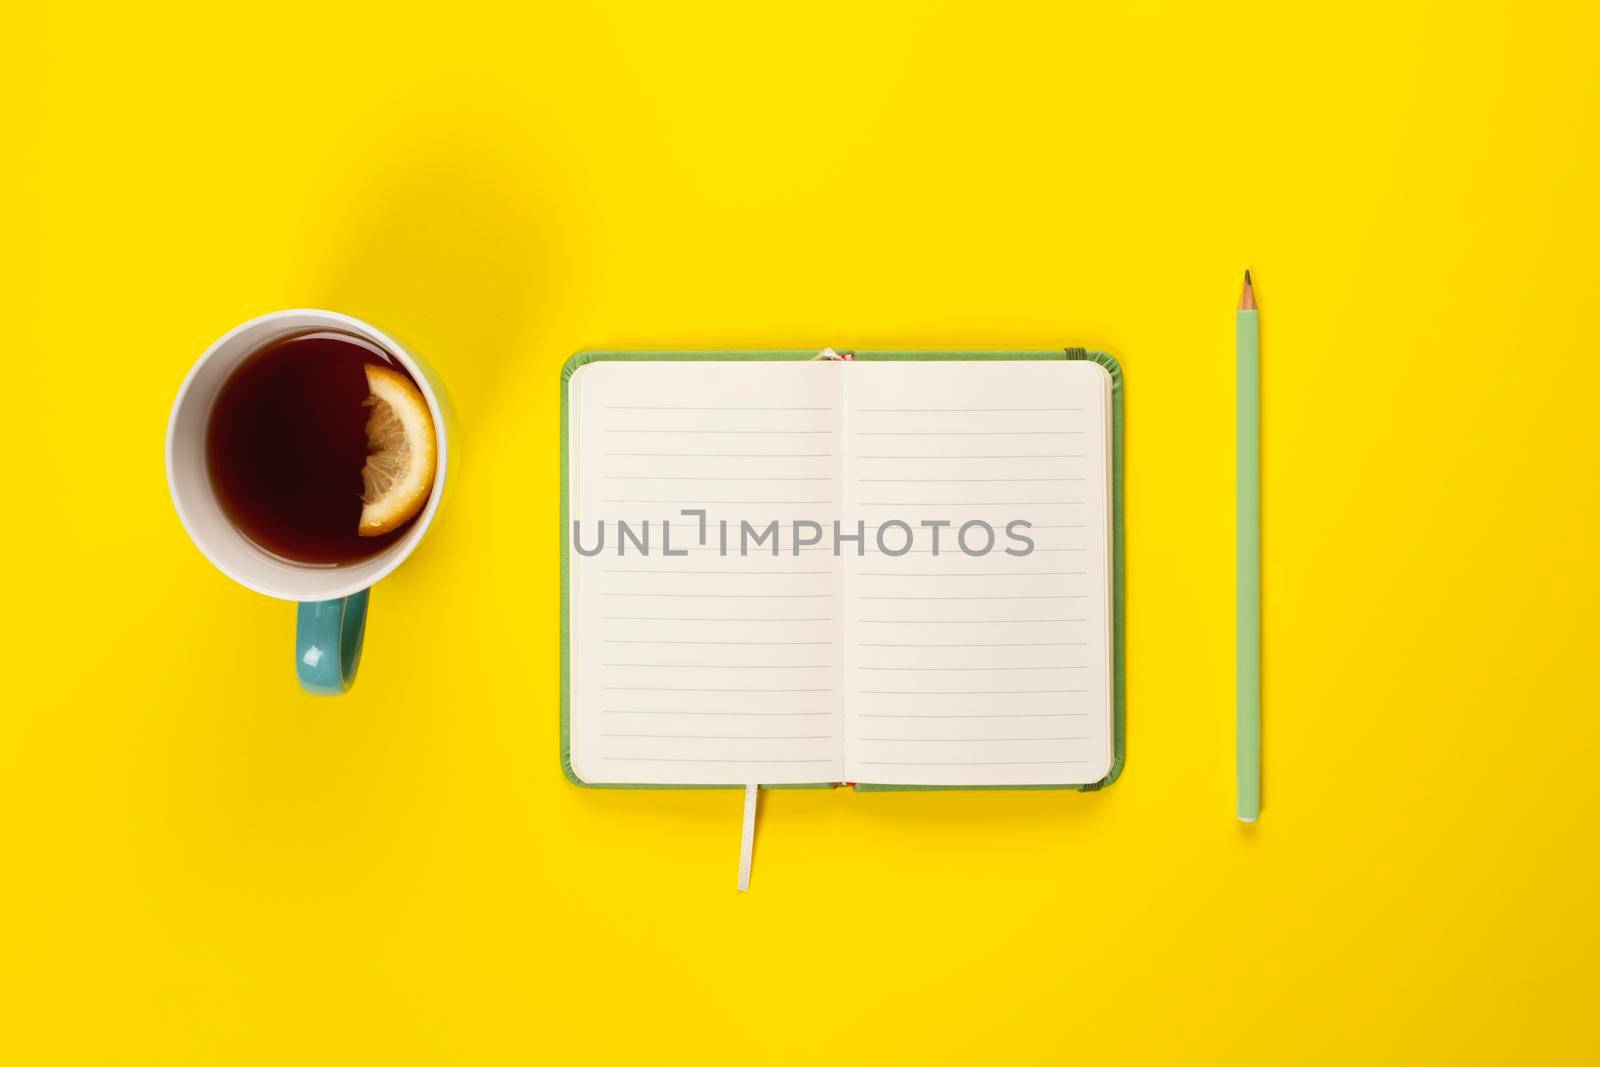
(964, 433)
(680, 500)
(732, 737)
(942, 574)
(1064, 667)
(787, 524)
(996, 715)
(745, 714)
(965, 763)
(845, 525)
(712, 478)
(964, 622)
(693, 689)
(942, 552)
(960, 740)
(760, 555)
(956, 551)
(1001, 644)
(680, 407)
(916, 503)
(961, 692)
(1031, 455)
(763, 573)
(685, 759)
(728, 455)
(984, 596)
(701, 618)
(906, 411)
(765, 433)
(985, 480)
(727, 596)
(636, 641)
(732, 666)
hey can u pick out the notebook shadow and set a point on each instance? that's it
(979, 808)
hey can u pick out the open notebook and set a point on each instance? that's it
(898, 571)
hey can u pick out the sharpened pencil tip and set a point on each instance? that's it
(1247, 295)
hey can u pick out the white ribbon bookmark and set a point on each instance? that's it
(747, 841)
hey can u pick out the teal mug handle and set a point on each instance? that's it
(327, 646)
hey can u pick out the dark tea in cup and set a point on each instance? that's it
(320, 448)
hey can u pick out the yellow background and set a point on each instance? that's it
(201, 865)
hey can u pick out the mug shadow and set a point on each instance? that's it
(447, 261)
(445, 254)
(449, 257)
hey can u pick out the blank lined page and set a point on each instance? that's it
(704, 668)
(989, 669)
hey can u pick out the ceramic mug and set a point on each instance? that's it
(332, 599)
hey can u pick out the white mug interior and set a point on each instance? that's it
(209, 526)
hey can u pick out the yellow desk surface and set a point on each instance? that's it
(200, 865)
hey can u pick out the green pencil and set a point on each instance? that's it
(1248, 606)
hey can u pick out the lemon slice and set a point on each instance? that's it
(401, 452)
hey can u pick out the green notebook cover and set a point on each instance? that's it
(1119, 674)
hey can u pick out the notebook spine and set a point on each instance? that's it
(835, 356)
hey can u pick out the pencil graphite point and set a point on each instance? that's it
(1247, 276)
